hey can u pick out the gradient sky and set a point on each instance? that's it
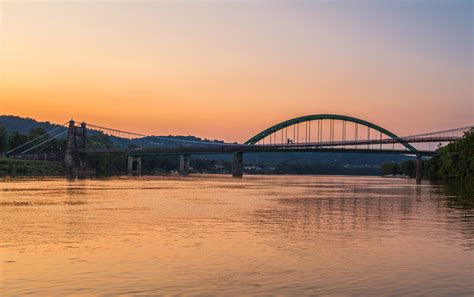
(228, 69)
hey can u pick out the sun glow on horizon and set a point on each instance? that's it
(229, 70)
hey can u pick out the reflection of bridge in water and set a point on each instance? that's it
(313, 133)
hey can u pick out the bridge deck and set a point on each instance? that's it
(230, 149)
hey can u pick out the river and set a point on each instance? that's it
(212, 234)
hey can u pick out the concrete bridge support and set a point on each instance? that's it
(419, 169)
(134, 165)
(184, 161)
(238, 165)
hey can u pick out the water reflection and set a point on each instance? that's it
(376, 210)
(217, 235)
(458, 194)
(459, 197)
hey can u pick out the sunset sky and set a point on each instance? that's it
(228, 69)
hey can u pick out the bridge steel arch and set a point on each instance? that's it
(308, 118)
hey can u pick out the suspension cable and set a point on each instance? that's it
(36, 138)
(159, 137)
(118, 131)
(46, 141)
(443, 131)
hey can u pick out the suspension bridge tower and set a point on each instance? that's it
(75, 141)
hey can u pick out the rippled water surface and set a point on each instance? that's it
(218, 235)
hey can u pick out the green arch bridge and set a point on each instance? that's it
(310, 133)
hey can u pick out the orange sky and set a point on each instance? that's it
(229, 70)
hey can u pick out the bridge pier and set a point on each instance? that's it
(134, 165)
(419, 169)
(238, 165)
(184, 161)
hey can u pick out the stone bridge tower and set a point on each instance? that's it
(76, 140)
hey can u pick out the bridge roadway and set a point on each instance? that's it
(351, 146)
(328, 146)
(239, 148)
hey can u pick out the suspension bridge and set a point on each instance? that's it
(312, 133)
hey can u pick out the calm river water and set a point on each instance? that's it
(259, 235)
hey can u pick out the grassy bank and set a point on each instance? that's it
(14, 167)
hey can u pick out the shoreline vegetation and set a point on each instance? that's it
(113, 165)
(13, 167)
(454, 161)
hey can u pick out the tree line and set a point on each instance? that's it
(454, 161)
(16, 139)
(405, 168)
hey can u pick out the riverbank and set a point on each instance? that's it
(115, 165)
(12, 167)
(454, 162)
